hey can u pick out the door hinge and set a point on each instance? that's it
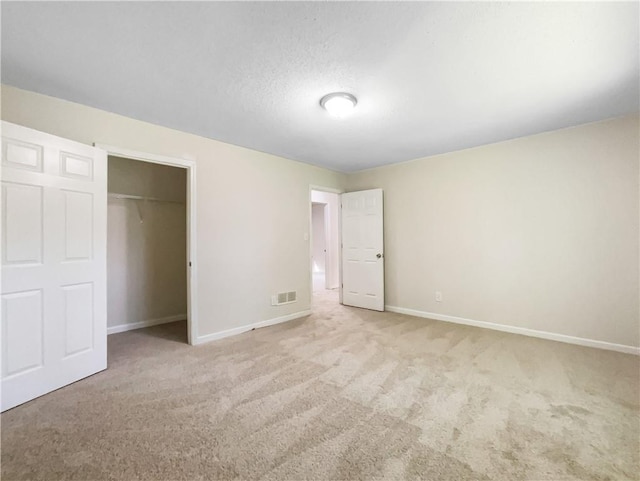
(189, 263)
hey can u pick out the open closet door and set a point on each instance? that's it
(362, 250)
(53, 263)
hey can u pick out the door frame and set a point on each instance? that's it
(330, 190)
(192, 269)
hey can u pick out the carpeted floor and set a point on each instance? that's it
(343, 394)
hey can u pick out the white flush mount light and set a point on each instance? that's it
(338, 104)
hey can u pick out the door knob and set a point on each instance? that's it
(378, 256)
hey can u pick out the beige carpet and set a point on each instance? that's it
(343, 394)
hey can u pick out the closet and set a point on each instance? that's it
(146, 245)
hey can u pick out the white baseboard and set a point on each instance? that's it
(239, 330)
(519, 330)
(151, 322)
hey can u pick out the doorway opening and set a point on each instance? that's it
(150, 245)
(325, 246)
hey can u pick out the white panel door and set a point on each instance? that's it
(54, 315)
(362, 250)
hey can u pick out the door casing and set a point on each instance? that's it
(191, 257)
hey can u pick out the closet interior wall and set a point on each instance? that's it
(146, 244)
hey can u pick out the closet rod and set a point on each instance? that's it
(140, 197)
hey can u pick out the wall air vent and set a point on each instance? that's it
(284, 298)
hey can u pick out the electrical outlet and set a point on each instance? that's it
(438, 296)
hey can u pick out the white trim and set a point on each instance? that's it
(552, 336)
(331, 190)
(239, 330)
(141, 324)
(144, 156)
(192, 264)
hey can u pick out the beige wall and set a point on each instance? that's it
(252, 207)
(538, 232)
(146, 243)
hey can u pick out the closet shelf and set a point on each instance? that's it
(141, 197)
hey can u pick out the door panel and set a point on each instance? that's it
(23, 329)
(22, 155)
(362, 249)
(78, 313)
(75, 166)
(78, 221)
(22, 211)
(53, 263)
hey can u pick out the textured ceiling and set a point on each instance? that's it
(430, 77)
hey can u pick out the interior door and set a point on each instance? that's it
(54, 208)
(362, 249)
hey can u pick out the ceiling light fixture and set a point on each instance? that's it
(338, 104)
